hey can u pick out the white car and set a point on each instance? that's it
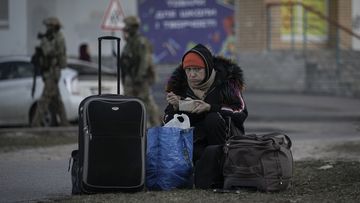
(88, 78)
(17, 106)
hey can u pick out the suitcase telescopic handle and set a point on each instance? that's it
(117, 61)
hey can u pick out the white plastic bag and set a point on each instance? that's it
(179, 121)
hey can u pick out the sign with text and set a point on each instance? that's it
(174, 26)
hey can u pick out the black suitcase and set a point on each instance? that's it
(112, 130)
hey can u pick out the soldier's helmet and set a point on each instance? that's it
(52, 21)
(132, 23)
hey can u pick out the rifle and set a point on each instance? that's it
(36, 61)
(49, 35)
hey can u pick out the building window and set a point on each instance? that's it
(316, 27)
(4, 14)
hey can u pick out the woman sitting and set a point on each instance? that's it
(209, 90)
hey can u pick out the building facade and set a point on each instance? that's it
(283, 24)
(21, 21)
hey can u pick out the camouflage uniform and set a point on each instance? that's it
(137, 68)
(52, 47)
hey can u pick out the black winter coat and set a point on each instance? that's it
(224, 95)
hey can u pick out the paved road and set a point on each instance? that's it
(309, 120)
(33, 178)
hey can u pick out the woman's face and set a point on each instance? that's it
(195, 75)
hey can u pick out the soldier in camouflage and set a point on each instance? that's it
(52, 58)
(138, 72)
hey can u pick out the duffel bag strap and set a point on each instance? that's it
(232, 131)
(286, 139)
(228, 133)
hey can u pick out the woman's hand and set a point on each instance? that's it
(201, 107)
(173, 99)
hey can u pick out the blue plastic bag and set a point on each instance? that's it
(169, 158)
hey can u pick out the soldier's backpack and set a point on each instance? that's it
(263, 162)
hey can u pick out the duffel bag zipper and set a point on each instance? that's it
(279, 167)
(226, 148)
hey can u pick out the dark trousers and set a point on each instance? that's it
(210, 131)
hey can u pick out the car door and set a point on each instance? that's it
(16, 78)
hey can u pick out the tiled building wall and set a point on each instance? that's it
(251, 27)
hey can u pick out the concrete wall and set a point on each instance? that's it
(316, 72)
(13, 40)
(326, 76)
(37, 11)
(275, 71)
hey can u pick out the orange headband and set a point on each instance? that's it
(193, 59)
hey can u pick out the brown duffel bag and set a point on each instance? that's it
(263, 162)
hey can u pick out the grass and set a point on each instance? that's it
(341, 183)
(346, 147)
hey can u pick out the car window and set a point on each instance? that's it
(15, 70)
(24, 69)
(5, 71)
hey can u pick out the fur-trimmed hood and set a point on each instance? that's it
(226, 72)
